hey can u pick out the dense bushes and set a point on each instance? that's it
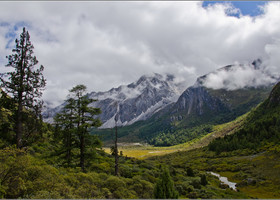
(180, 136)
(23, 176)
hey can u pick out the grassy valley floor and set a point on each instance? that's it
(256, 172)
(142, 151)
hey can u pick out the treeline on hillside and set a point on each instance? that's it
(262, 126)
(180, 136)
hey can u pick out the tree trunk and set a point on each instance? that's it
(19, 128)
(82, 152)
(68, 151)
(116, 153)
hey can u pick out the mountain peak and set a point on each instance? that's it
(136, 101)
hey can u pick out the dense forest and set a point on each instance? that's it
(262, 127)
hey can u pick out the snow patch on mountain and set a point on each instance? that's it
(130, 103)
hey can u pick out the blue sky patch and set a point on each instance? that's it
(250, 8)
(11, 35)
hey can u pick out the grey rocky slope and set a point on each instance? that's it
(225, 89)
(133, 102)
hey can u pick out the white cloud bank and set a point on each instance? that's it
(240, 76)
(106, 44)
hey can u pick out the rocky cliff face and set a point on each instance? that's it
(196, 100)
(133, 102)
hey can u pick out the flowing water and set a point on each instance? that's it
(224, 180)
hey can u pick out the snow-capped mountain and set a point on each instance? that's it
(133, 102)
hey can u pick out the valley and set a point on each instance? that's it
(183, 140)
(142, 151)
(254, 168)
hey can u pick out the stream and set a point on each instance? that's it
(224, 180)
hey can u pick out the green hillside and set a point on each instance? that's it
(261, 127)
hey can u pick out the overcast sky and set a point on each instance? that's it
(106, 44)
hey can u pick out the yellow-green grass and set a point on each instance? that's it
(142, 152)
(261, 191)
(146, 151)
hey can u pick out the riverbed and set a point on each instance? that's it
(224, 180)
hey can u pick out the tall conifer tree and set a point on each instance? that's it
(75, 120)
(25, 83)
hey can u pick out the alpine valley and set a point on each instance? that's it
(157, 110)
(216, 139)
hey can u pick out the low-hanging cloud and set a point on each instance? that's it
(239, 76)
(106, 44)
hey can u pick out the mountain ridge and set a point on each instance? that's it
(133, 102)
(148, 95)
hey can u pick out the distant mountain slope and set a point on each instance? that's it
(262, 127)
(133, 102)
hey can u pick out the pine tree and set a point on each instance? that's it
(65, 131)
(75, 120)
(164, 188)
(25, 83)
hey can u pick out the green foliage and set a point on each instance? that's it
(262, 126)
(190, 172)
(7, 124)
(203, 180)
(33, 128)
(72, 128)
(164, 188)
(180, 136)
(24, 84)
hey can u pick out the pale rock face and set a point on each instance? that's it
(194, 100)
(133, 102)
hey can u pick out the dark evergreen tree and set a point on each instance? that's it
(25, 83)
(190, 172)
(203, 180)
(74, 124)
(164, 188)
(7, 108)
(65, 132)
